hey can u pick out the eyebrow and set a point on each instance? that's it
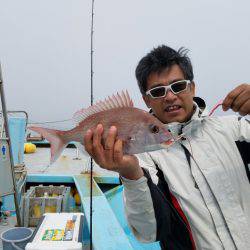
(161, 84)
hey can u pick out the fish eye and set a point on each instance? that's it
(154, 129)
(130, 138)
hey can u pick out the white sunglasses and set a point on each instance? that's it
(175, 87)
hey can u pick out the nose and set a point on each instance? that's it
(170, 96)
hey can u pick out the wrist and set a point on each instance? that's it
(132, 174)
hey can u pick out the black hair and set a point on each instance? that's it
(158, 60)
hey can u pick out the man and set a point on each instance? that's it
(196, 194)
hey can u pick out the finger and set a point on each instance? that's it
(227, 103)
(245, 108)
(97, 146)
(109, 144)
(97, 136)
(240, 100)
(118, 152)
(88, 141)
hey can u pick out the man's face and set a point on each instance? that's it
(171, 108)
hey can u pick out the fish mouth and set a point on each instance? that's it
(168, 143)
(163, 145)
(167, 137)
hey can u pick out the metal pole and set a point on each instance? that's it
(91, 100)
(6, 125)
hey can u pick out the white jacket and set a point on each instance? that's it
(218, 211)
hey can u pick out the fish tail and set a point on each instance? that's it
(56, 139)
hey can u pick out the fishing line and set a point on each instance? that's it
(91, 101)
(36, 122)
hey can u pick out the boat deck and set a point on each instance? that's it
(69, 164)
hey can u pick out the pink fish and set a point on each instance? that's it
(139, 130)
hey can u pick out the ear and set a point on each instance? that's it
(146, 100)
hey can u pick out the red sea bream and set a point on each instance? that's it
(139, 130)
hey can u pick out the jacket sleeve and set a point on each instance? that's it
(139, 205)
(239, 127)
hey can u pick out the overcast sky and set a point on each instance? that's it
(45, 49)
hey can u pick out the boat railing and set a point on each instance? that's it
(13, 113)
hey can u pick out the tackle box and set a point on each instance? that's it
(50, 233)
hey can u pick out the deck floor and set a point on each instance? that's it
(69, 163)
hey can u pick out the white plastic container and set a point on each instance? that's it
(53, 221)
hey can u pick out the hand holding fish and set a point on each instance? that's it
(110, 155)
(238, 100)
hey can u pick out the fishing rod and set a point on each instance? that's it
(91, 101)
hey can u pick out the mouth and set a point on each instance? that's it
(172, 108)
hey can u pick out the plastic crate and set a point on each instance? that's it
(43, 199)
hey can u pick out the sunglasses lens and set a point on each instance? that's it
(179, 86)
(158, 92)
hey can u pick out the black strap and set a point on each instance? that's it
(188, 157)
(1, 203)
(172, 231)
(187, 154)
(244, 149)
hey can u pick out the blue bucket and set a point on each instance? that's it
(16, 238)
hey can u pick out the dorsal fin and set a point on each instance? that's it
(116, 101)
